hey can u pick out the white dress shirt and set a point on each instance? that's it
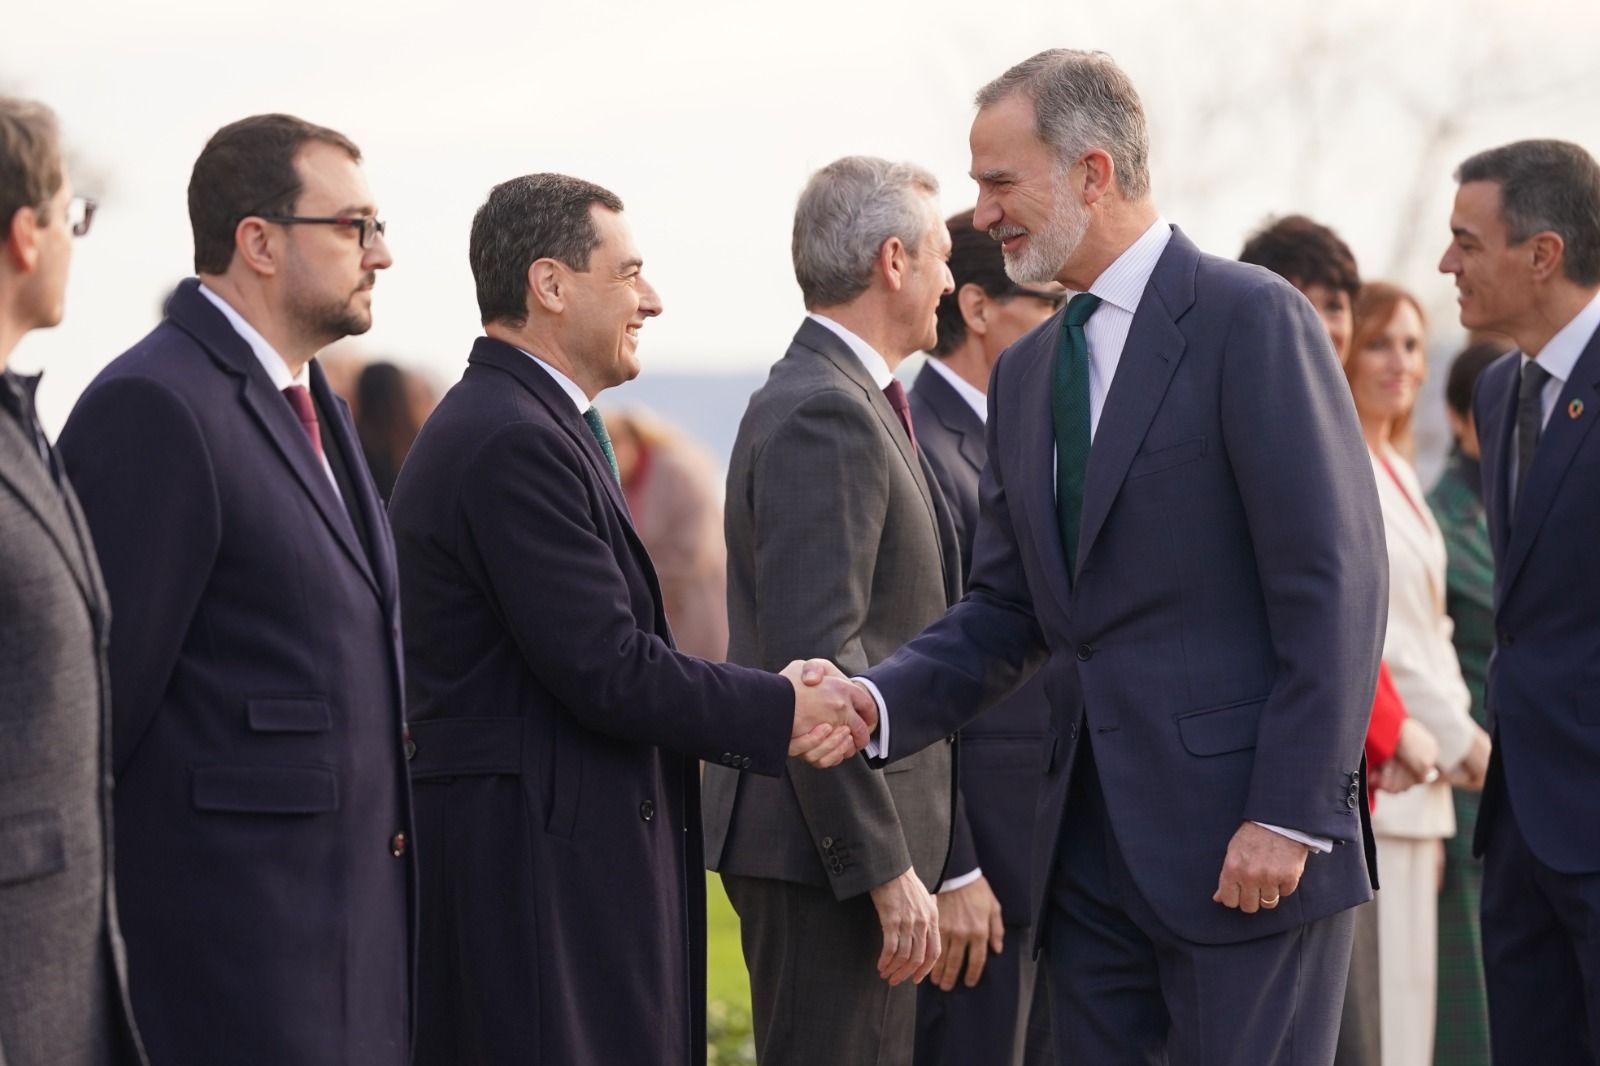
(1558, 358)
(277, 370)
(1120, 287)
(568, 386)
(974, 397)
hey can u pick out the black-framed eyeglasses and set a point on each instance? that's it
(370, 228)
(80, 213)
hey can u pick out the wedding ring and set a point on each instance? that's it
(1270, 903)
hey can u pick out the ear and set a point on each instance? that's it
(893, 262)
(1099, 174)
(974, 304)
(22, 240)
(1549, 253)
(258, 246)
(546, 285)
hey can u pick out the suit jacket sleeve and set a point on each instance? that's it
(985, 645)
(1311, 504)
(820, 498)
(529, 512)
(143, 475)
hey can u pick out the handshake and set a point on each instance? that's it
(833, 716)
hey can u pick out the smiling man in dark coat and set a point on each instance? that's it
(556, 729)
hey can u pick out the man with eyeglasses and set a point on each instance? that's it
(264, 856)
(978, 1005)
(63, 982)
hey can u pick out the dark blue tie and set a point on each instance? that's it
(1069, 413)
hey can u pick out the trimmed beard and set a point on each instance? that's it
(1050, 247)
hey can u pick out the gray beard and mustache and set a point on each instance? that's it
(1049, 247)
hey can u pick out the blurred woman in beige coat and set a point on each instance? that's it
(1387, 362)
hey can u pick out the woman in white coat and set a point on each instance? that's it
(1388, 358)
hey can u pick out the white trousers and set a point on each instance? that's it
(1408, 948)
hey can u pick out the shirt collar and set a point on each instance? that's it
(1123, 282)
(877, 367)
(1560, 355)
(974, 397)
(277, 370)
(568, 386)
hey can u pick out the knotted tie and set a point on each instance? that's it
(300, 399)
(896, 394)
(1069, 413)
(597, 426)
(1530, 421)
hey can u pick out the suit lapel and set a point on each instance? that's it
(827, 344)
(195, 315)
(1149, 357)
(1037, 431)
(342, 431)
(27, 477)
(954, 414)
(1558, 444)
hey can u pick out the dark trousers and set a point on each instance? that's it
(1541, 952)
(1003, 1020)
(815, 993)
(1126, 990)
(1360, 1027)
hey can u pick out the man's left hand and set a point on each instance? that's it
(1262, 868)
(970, 926)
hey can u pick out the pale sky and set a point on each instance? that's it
(707, 117)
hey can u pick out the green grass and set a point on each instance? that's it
(727, 983)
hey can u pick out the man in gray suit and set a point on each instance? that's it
(979, 1003)
(63, 981)
(1179, 516)
(840, 546)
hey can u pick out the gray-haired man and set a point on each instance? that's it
(840, 546)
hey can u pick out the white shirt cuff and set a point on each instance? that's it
(878, 746)
(1321, 845)
(963, 881)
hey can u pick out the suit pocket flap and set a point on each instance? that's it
(292, 715)
(1166, 458)
(31, 846)
(465, 747)
(1219, 730)
(266, 789)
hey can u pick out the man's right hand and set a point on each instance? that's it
(910, 920)
(833, 718)
(1416, 755)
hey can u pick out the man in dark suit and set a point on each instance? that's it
(980, 999)
(840, 545)
(1179, 513)
(63, 974)
(263, 817)
(1526, 259)
(556, 728)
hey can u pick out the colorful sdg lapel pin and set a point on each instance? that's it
(1575, 409)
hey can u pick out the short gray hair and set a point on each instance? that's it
(848, 209)
(1546, 185)
(537, 216)
(1082, 100)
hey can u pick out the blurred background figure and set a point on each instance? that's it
(674, 492)
(1457, 503)
(1385, 370)
(390, 404)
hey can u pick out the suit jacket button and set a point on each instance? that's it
(1085, 653)
(647, 810)
(410, 745)
(827, 843)
(1350, 801)
(744, 763)
(727, 758)
(397, 845)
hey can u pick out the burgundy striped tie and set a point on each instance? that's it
(896, 393)
(300, 400)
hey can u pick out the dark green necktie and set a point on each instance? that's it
(597, 426)
(1069, 413)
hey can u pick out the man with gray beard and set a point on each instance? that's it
(1178, 518)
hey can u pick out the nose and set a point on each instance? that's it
(987, 214)
(649, 299)
(378, 256)
(949, 281)
(1450, 262)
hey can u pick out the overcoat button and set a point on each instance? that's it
(1085, 653)
(647, 810)
(397, 846)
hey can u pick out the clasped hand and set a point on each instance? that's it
(833, 717)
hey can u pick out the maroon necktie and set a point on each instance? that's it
(896, 393)
(300, 400)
